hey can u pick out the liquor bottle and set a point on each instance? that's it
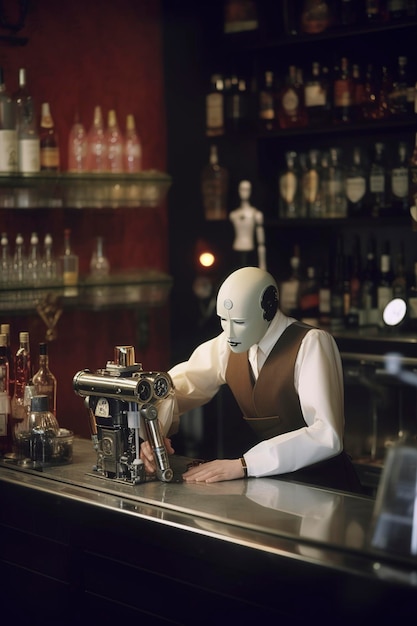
(132, 148)
(290, 288)
(6, 441)
(49, 146)
(337, 300)
(77, 147)
(399, 181)
(8, 134)
(317, 98)
(384, 288)
(44, 380)
(325, 294)
(23, 374)
(355, 286)
(5, 330)
(291, 108)
(343, 94)
(6, 269)
(33, 261)
(311, 183)
(267, 117)
(412, 183)
(289, 188)
(356, 185)
(412, 299)
(378, 182)
(375, 11)
(96, 144)
(114, 144)
(237, 106)
(99, 263)
(396, 9)
(19, 260)
(358, 92)
(369, 297)
(69, 266)
(401, 97)
(315, 16)
(309, 298)
(336, 202)
(28, 141)
(48, 260)
(399, 281)
(214, 187)
(215, 107)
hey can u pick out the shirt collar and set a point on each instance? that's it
(277, 326)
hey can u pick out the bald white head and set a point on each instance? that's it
(246, 303)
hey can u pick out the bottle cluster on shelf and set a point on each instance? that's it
(349, 289)
(28, 399)
(363, 182)
(311, 96)
(313, 17)
(29, 141)
(37, 264)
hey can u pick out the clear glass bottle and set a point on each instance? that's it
(289, 188)
(237, 105)
(49, 145)
(42, 431)
(99, 263)
(312, 186)
(33, 261)
(44, 380)
(132, 148)
(77, 147)
(69, 266)
(401, 98)
(8, 134)
(214, 187)
(23, 374)
(6, 441)
(378, 182)
(48, 260)
(19, 259)
(399, 181)
(114, 144)
(28, 140)
(96, 144)
(356, 184)
(290, 288)
(336, 202)
(6, 269)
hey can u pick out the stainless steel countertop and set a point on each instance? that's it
(292, 519)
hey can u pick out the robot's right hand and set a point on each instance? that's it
(148, 457)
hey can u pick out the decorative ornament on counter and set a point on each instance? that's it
(248, 223)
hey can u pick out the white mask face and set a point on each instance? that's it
(239, 306)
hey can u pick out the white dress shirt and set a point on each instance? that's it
(318, 380)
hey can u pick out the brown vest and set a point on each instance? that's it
(270, 405)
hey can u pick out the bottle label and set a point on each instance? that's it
(29, 155)
(311, 185)
(8, 151)
(288, 187)
(325, 300)
(315, 96)
(49, 158)
(377, 183)
(214, 114)
(266, 106)
(355, 189)
(399, 182)
(290, 102)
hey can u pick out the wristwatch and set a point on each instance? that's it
(244, 466)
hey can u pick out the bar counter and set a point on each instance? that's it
(75, 545)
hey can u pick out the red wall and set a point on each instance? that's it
(80, 54)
